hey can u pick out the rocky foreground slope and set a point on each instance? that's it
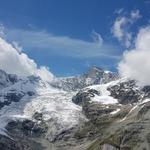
(121, 124)
(94, 111)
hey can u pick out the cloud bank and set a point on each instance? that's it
(136, 62)
(16, 62)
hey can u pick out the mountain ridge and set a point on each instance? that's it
(94, 75)
(63, 115)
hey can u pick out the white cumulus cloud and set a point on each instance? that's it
(136, 62)
(16, 62)
(44, 73)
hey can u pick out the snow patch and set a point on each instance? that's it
(114, 112)
(104, 96)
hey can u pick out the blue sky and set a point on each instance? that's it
(70, 36)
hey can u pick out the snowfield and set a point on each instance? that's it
(104, 96)
(52, 103)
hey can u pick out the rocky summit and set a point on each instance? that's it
(94, 75)
(97, 110)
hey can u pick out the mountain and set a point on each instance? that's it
(32, 106)
(95, 111)
(93, 76)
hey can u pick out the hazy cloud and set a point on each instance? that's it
(1, 30)
(135, 14)
(119, 11)
(62, 45)
(97, 38)
(17, 46)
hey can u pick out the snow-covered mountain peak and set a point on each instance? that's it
(94, 71)
(93, 76)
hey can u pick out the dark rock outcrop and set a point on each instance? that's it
(7, 79)
(10, 97)
(27, 127)
(84, 96)
(126, 92)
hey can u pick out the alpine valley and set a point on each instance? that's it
(97, 110)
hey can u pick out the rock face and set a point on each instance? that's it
(118, 127)
(9, 144)
(7, 79)
(96, 75)
(19, 142)
(28, 127)
(126, 92)
(22, 134)
(84, 96)
(12, 90)
(10, 97)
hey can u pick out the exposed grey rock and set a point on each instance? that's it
(31, 93)
(38, 116)
(126, 92)
(80, 98)
(10, 97)
(28, 127)
(146, 90)
(84, 96)
(7, 79)
(11, 144)
(18, 142)
(129, 92)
